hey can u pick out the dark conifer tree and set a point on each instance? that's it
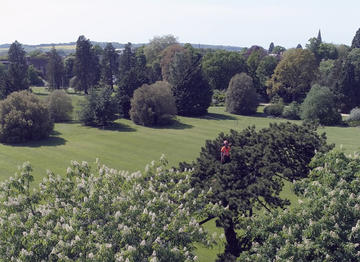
(356, 40)
(271, 47)
(109, 65)
(18, 69)
(55, 70)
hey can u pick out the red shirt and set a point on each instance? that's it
(225, 150)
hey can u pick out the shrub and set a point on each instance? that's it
(274, 109)
(292, 111)
(218, 98)
(241, 96)
(99, 108)
(60, 106)
(319, 105)
(354, 118)
(153, 104)
(24, 117)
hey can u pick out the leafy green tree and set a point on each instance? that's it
(327, 51)
(24, 117)
(132, 75)
(293, 75)
(220, 66)
(34, 76)
(153, 104)
(314, 46)
(102, 214)
(261, 160)
(324, 227)
(264, 71)
(241, 97)
(325, 72)
(99, 108)
(356, 40)
(109, 65)
(86, 64)
(156, 45)
(18, 69)
(166, 57)
(192, 92)
(55, 70)
(319, 105)
(60, 106)
(69, 69)
(278, 50)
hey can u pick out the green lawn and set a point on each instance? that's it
(127, 146)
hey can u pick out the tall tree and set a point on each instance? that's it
(319, 37)
(260, 163)
(55, 70)
(109, 65)
(18, 69)
(356, 40)
(293, 75)
(85, 64)
(192, 92)
(69, 68)
(271, 47)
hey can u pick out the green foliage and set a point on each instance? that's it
(274, 109)
(328, 51)
(354, 117)
(69, 70)
(292, 111)
(87, 68)
(264, 72)
(18, 69)
(156, 45)
(218, 98)
(241, 97)
(260, 162)
(132, 75)
(34, 77)
(153, 104)
(102, 215)
(319, 105)
(109, 65)
(55, 70)
(356, 40)
(324, 227)
(60, 106)
(24, 117)
(99, 108)
(192, 92)
(220, 66)
(293, 75)
(325, 72)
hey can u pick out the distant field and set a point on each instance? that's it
(127, 146)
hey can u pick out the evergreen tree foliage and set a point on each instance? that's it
(24, 117)
(55, 70)
(241, 97)
(356, 40)
(132, 75)
(153, 104)
(99, 108)
(18, 69)
(319, 105)
(109, 65)
(86, 65)
(69, 69)
(271, 47)
(261, 160)
(192, 92)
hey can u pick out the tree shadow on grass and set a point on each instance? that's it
(173, 124)
(215, 116)
(52, 140)
(117, 127)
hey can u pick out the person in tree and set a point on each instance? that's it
(225, 152)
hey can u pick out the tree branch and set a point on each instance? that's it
(206, 220)
(261, 203)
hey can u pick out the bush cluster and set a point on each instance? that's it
(354, 118)
(153, 104)
(60, 106)
(24, 117)
(218, 98)
(292, 111)
(274, 109)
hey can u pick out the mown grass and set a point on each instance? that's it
(127, 146)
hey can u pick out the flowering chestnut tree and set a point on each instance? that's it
(326, 224)
(106, 215)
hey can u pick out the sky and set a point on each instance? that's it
(218, 22)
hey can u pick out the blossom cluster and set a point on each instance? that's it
(106, 215)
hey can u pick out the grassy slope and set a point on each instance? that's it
(130, 147)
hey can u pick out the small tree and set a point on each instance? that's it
(319, 105)
(60, 105)
(153, 104)
(99, 108)
(241, 96)
(24, 117)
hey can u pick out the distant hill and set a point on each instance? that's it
(68, 48)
